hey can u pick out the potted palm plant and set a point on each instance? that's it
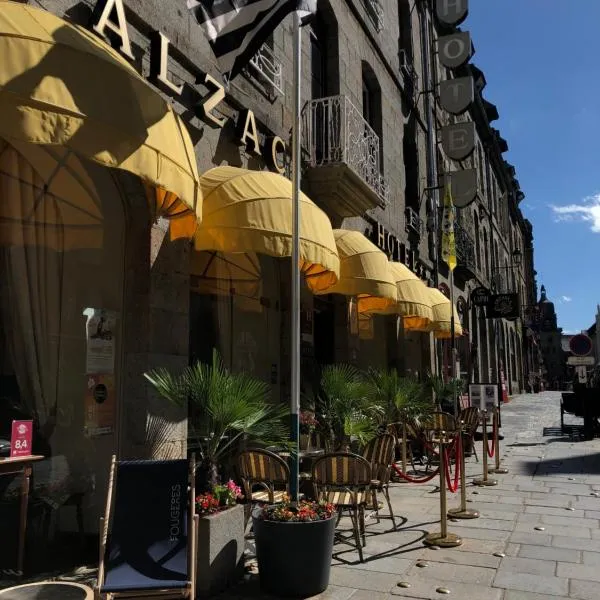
(346, 411)
(226, 410)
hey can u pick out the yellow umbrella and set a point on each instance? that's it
(250, 212)
(63, 86)
(414, 304)
(442, 311)
(364, 273)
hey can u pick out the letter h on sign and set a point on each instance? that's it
(451, 12)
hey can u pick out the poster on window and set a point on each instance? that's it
(100, 337)
(99, 405)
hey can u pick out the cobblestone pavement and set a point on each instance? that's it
(538, 536)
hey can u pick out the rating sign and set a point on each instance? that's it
(20, 439)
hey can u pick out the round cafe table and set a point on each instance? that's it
(48, 590)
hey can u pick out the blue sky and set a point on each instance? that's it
(542, 67)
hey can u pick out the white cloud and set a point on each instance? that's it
(566, 298)
(588, 212)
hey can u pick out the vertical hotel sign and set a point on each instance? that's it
(456, 96)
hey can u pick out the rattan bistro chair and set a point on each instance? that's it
(344, 479)
(266, 471)
(380, 454)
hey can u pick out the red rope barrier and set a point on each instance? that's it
(452, 487)
(494, 434)
(414, 479)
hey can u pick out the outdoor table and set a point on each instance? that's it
(21, 465)
(48, 590)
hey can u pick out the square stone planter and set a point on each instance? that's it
(220, 550)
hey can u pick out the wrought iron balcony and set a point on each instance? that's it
(412, 221)
(465, 252)
(267, 67)
(375, 12)
(342, 157)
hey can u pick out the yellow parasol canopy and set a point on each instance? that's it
(442, 308)
(248, 212)
(364, 273)
(63, 86)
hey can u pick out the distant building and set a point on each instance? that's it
(553, 355)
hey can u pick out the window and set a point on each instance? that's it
(371, 105)
(318, 59)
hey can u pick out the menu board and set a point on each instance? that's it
(484, 395)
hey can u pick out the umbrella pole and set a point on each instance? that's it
(295, 309)
(453, 344)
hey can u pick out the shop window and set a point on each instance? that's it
(61, 291)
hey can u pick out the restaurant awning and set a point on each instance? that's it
(251, 212)
(61, 86)
(364, 273)
(442, 308)
(413, 303)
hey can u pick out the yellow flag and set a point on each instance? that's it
(448, 241)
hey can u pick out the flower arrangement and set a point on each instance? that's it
(304, 511)
(308, 422)
(222, 496)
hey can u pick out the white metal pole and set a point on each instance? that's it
(295, 309)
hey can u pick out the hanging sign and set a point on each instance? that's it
(21, 438)
(455, 49)
(451, 12)
(458, 141)
(464, 187)
(456, 95)
(480, 296)
(503, 306)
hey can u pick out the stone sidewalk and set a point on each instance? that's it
(538, 536)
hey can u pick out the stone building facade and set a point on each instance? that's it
(370, 159)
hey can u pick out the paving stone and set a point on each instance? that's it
(592, 514)
(561, 541)
(581, 532)
(424, 587)
(548, 553)
(450, 556)
(362, 579)
(584, 590)
(526, 582)
(483, 523)
(366, 595)
(518, 595)
(566, 520)
(386, 564)
(556, 510)
(573, 571)
(453, 572)
(512, 549)
(534, 566)
(334, 592)
(591, 558)
(534, 538)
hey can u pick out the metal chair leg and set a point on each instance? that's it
(386, 492)
(356, 526)
(361, 512)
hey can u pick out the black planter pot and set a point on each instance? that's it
(294, 559)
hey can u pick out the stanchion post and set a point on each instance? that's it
(485, 480)
(497, 468)
(443, 539)
(463, 512)
(404, 451)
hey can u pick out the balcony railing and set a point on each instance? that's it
(267, 67)
(465, 249)
(412, 221)
(336, 134)
(375, 12)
